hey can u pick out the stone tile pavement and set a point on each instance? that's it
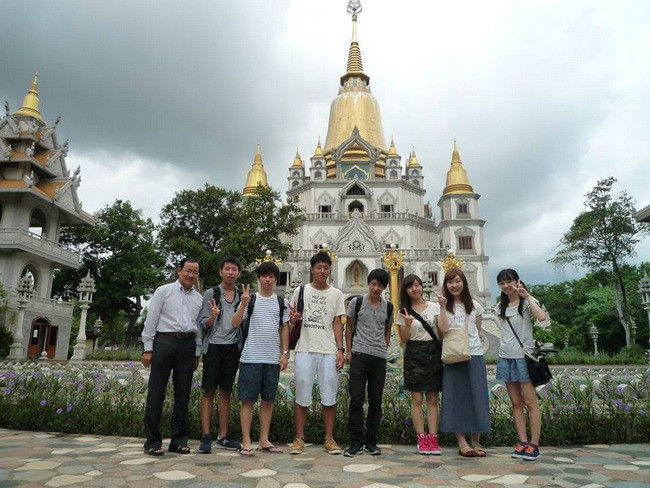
(37, 459)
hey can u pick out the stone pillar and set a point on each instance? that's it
(25, 290)
(86, 289)
(644, 291)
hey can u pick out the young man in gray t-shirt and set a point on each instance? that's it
(367, 335)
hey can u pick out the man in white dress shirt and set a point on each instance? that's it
(170, 344)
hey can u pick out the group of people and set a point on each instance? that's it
(233, 330)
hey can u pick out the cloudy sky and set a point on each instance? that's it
(543, 97)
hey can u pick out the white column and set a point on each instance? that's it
(86, 289)
(25, 290)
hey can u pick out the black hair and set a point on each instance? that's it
(267, 268)
(508, 274)
(320, 257)
(187, 259)
(232, 260)
(465, 295)
(404, 298)
(379, 274)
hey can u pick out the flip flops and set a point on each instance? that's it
(480, 452)
(271, 448)
(179, 449)
(246, 452)
(154, 451)
(467, 452)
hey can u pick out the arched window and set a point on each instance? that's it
(356, 205)
(37, 222)
(296, 174)
(318, 175)
(295, 183)
(393, 173)
(355, 190)
(415, 182)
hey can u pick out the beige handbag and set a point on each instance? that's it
(455, 345)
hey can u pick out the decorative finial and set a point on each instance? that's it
(268, 256)
(324, 247)
(451, 261)
(354, 7)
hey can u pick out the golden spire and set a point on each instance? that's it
(256, 175)
(457, 180)
(355, 65)
(451, 262)
(355, 106)
(413, 160)
(319, 150)
(297, 162)
(392, 151)
(30, 102)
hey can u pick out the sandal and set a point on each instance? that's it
(246, 452)
(467, 451)
(480, 452)
(179, 449)
(154, 451)
(271, 448)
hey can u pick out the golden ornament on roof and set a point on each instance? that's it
(268, 257)
(451, 261)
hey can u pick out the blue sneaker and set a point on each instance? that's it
(227, 443)
(206, 444)
(520, 448)
(531, 453)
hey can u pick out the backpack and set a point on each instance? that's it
(357, 307)
(251, 305)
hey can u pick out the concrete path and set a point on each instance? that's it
(36, 459)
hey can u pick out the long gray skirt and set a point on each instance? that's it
(465, 398)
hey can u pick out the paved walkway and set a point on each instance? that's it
(36, 459)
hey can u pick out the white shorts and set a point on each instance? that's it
(306, 366)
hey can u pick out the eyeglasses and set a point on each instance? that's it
(190, 272)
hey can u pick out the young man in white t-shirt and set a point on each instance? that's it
(267, 333)
(319, 350)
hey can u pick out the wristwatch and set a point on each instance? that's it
(285, 353)
(342, 349)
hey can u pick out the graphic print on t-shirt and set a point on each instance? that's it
(316, 312)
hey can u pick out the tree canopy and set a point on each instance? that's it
(121, 255)
(211, 223)
(604, 236)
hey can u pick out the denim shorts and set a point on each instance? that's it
(512, 370)
(258, 378)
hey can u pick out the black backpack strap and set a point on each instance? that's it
(300, 306)
(237, 298)
(427, 327)
(389, 313)
(281, 308)
(216, 296)
(357, 307)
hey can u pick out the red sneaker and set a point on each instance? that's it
(434, 445)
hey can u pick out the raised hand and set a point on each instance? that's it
(214, 309)
(245, 295)
(521, 290)
(442, 301)
(408, 319)
(294, 315)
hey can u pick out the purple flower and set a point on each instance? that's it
(619, 389)
(196, 384)
(80, 387)
(43, 403)
(59, 410)
(642, 413)
(131, 363)
(68, 407)
(35, 374)
(6, 390)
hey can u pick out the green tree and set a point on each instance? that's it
(212, 223)
(120, 253)
(604, 236)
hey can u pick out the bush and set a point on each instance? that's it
(90, 401)
(570, 355)
(130, 353)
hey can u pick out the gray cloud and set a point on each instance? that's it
(544, 98)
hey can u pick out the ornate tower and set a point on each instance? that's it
(256, 175)
(461, 228)
(38, 196)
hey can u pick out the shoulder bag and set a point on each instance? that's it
(455, 346)
(294, 334)
(538, 369)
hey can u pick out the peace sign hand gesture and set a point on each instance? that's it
(214, 309)
(408, 319)
(521, 289)
(245, 295)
